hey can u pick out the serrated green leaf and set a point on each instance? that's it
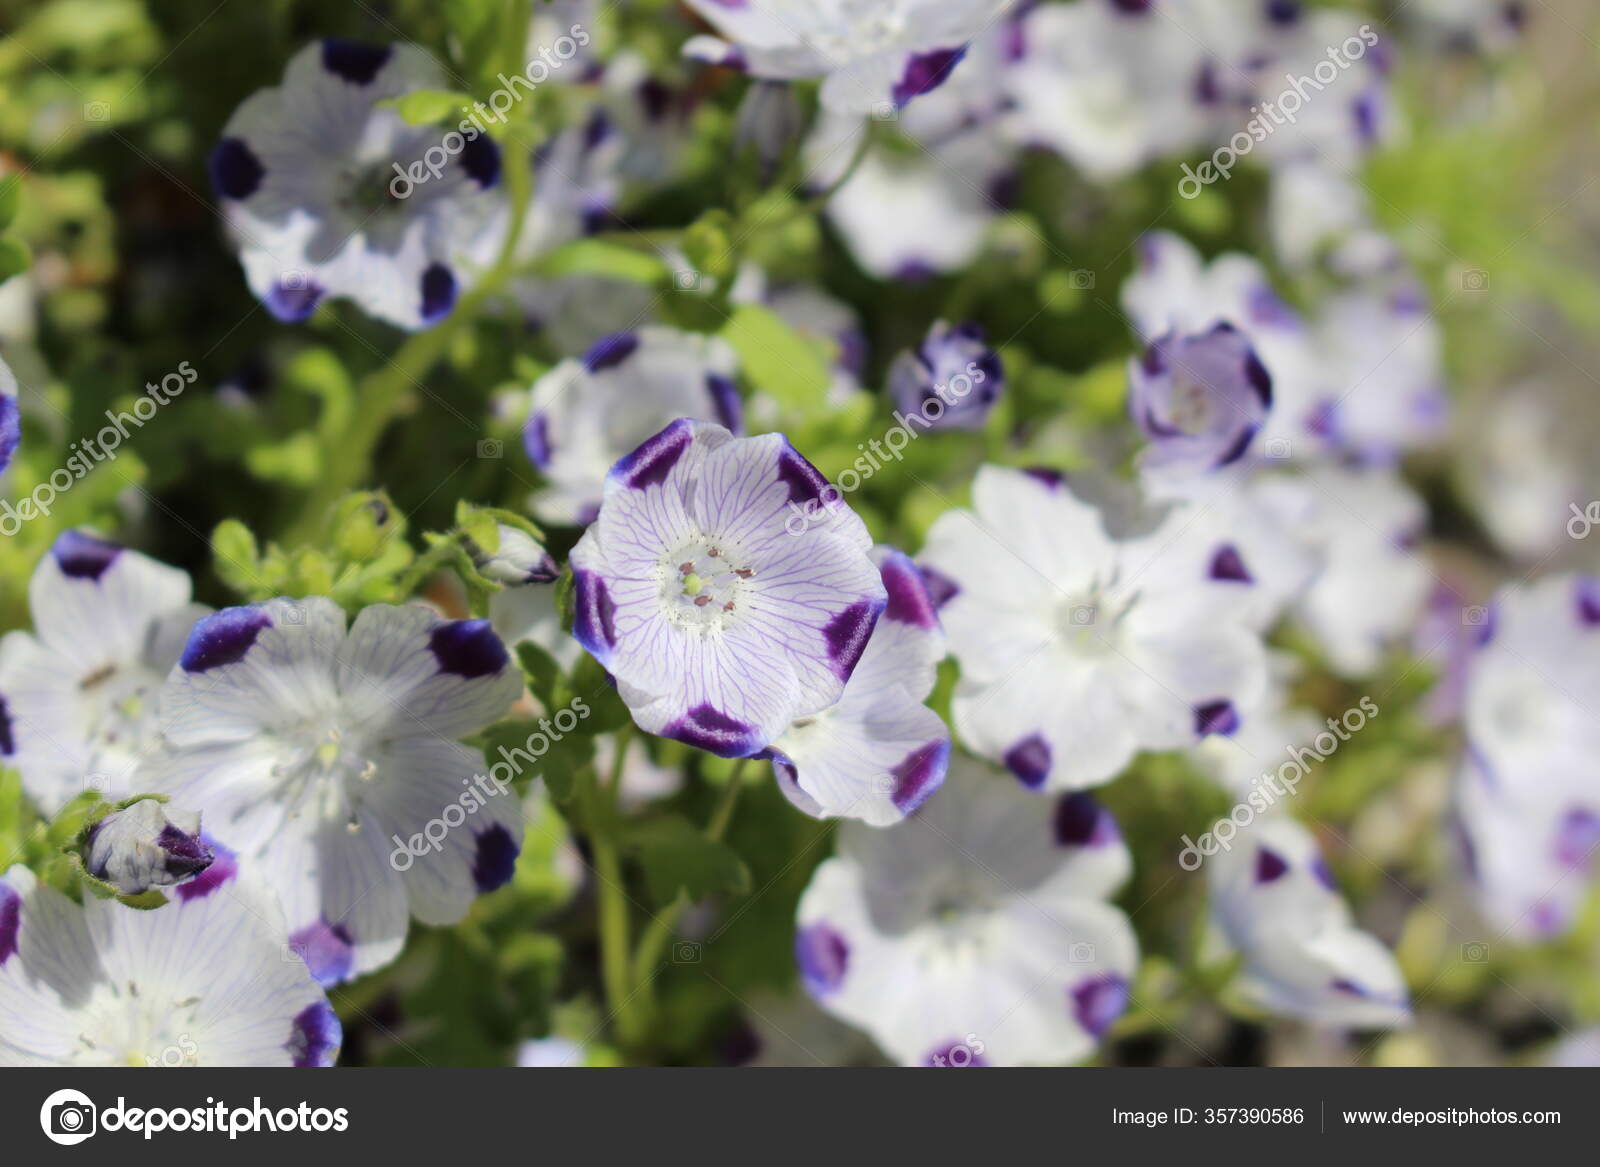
(777, 359)
(677, 857)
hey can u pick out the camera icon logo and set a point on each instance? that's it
(491, 448)
(294, 614)
(686, 952)
(1277, 449)
(1475, 952)
(98, 783)
(1081, 280)
(1081, 952)
(686, 280)
(68, 1117)
(1475, 280)
(1084, 615)
(1475, 616)
(885, 111)
(97, 111)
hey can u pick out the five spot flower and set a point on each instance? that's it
(312, 747)
(331, 194)
(721, 626)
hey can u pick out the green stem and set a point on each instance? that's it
(612, 905)
(659, 932)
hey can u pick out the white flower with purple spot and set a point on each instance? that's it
(953, 366)
(879, 752)
(331, 194)
(518, 560)
(1078, 650)
(199, 982)
(10, 416)
(1361, 527)
(144, 846)
(978, 932)
(1527, 804)
(80, 694)
(870, 56)
(1109, 86)
(588, 413)
(318, 751)
(1275, 903)
(1199, 399)
(1174, 290)
(721, 623)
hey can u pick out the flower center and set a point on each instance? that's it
(123, 1028)
(119, 711)
(704, 584)
(1091, 622)
(325, 773)
(1191, 408)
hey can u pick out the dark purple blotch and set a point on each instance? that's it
(223, 638)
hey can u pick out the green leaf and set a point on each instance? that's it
(676, 857)
(777, 359)
(235, 557)
(542, 672)
(15, 258)
(591, 685)
(425, 107)
(10, 198)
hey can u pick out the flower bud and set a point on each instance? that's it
(145, 846)
(518, 560)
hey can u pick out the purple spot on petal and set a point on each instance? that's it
(708, 728)
(438, 287)
(823, 956)
(480, 158)
(941, 588)
(8, 742)
(610, 351)
(1080, 821)
(650, 464)
(1051, 478)
(467, 648)
(83, 556)
(953, 1055)
(10, 921)
(1215, 717)
(1345, 985)
(1098, 1002)
(925, 72)
(1320, 869)
(1029, 760)
(314, 1035)
(1588, 597)
(1260, 380)
(1577, 838)
(1270, 866)
(496, 858)
(327, 949)
(223, 638)
(356, 61)
(236, 172)
(725, 403)
(1227, 564)
(536, 440)
(909, 599)
(846, 636)
(805, 482)
(293, 300)
(593, 622)
(224, 866)
(10, 429)
(919, 775)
